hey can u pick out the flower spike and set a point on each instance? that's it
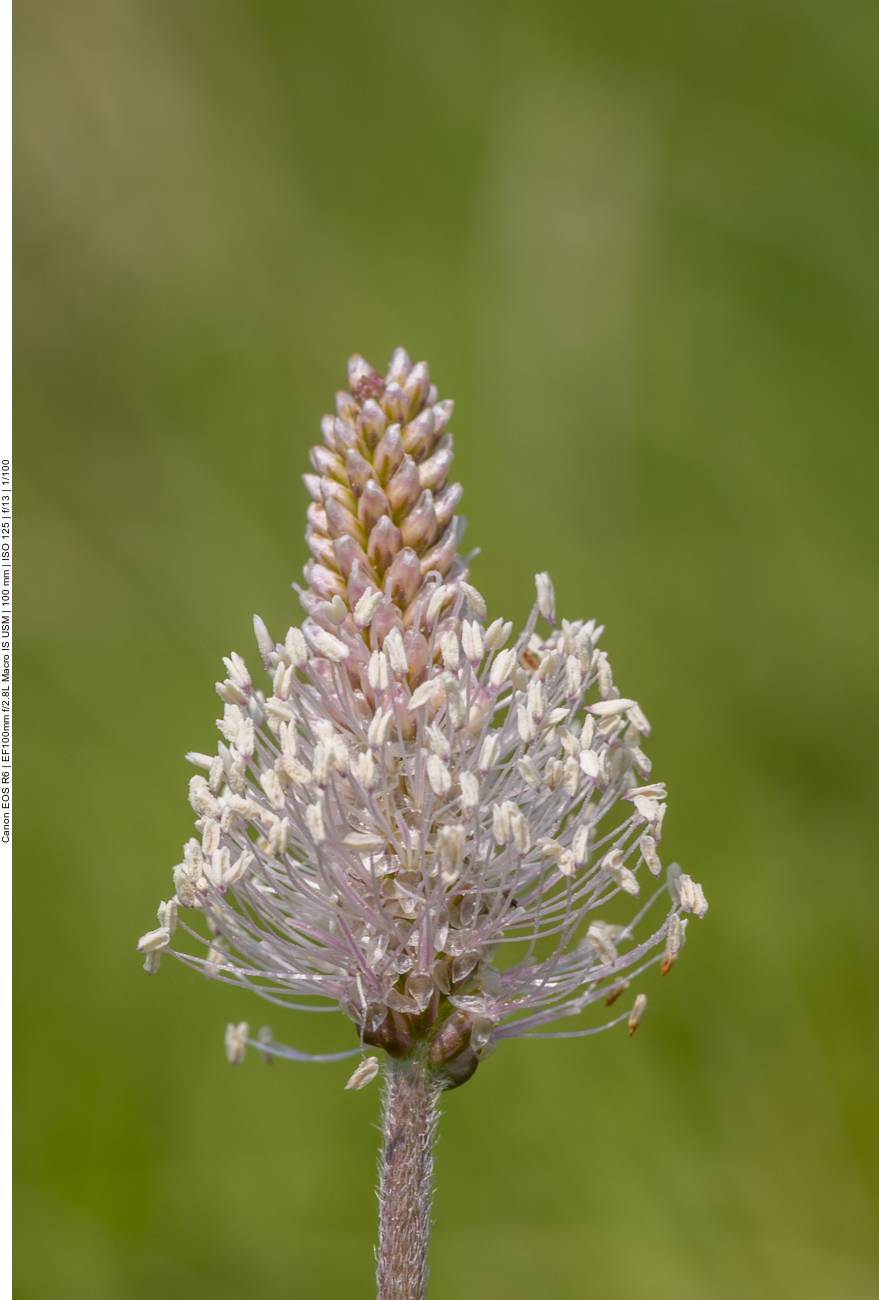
(412, 818)
(408, 808)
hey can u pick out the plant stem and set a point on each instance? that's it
(410, 1118)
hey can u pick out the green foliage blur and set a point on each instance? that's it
(638, 243)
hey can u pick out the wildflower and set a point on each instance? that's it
(410, 818)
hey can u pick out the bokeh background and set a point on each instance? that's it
(639, 244)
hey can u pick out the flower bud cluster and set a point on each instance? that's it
(381, 525)
(417, 819)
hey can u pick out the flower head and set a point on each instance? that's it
(419, 819)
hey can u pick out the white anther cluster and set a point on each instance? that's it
(410, 809)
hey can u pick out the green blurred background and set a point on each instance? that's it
(638, 242)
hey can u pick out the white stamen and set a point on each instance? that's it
(366, 607)
(272, 786)
(525, 723)
(314, 819)
(210, 836)
(321, 765)
(201, 799)
(500, 815)
(637, 719)
(607, 708)
(580, 845)
(449, 650)
(598, 937)
(469, 791)
(497, 635)
(566, 864)
(236, 1042)
(364, 843)
(379, 728)
(297, 650)
(474, 599)
(364, 1074)
(229, 693)
(545, 597)
(637, 1012)
(396, 653)
(154, 940)
(365, 770)
(691, 896)
(331, 647)
(438, 775)
(471, 640)
(264, 642)
(238, 674)
(648, 851)
(336, 610)
(488, 755)
(437, 741)
(421, 696)
(536, 700)
(520, 830)
(502, 667)
(379, 676)
(435, 604)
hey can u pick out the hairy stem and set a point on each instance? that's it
(410, 1118)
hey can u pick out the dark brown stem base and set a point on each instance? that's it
(410, 1118)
